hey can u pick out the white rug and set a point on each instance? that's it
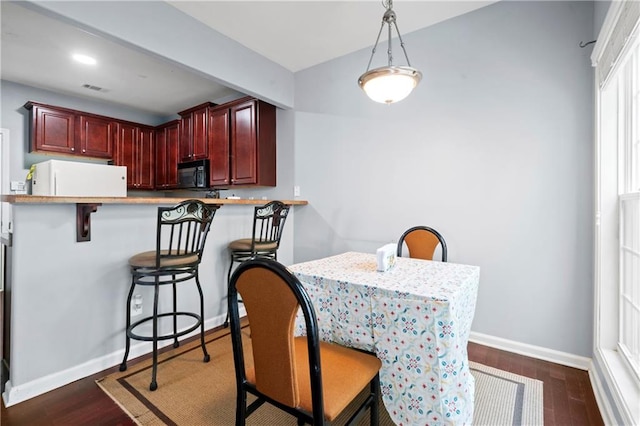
(503, 398)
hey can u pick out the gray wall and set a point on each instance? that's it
(494, 149)
(600, 9)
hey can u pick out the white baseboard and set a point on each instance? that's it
(601, 397)
(15, 394)
(562, 358)
(617, 394)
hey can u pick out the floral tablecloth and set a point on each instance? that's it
(416, 317)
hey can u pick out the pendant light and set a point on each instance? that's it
(391, 83)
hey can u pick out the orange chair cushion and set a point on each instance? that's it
(421, 244)
(271, 309)
(345, 373)
(148, 259)
(244, 244)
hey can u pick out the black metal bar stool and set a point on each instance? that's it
(180, 237)
(268, 224)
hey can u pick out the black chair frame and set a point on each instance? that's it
(315, 418)
(268, 224)
(440, 238)
(185, 228)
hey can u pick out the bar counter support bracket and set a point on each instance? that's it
(83, 220)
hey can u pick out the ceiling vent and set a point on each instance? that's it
(92, 87)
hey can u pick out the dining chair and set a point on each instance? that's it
(422, 241)
(181, 233)
(312, 380)
(268, 224)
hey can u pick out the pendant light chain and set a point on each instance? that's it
(388, 19)
(373, 51)
(402, 44)
(389, 52)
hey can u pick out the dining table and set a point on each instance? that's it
(416, 317)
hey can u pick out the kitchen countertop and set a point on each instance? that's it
(38, 199)
(85, 206)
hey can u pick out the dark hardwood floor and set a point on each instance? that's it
(568, 396)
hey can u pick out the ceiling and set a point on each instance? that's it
(36, 48)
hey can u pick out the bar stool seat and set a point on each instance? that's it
(148, 260)
(180, 237)
(245, 244)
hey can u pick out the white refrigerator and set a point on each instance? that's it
(74, 179)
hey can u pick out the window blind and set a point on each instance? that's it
(619, 27)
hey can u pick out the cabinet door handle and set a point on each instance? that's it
(73, 149)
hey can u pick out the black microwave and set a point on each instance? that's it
(193, 174)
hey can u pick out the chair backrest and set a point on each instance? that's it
(268, 224)
(422, 242)
(271, 296)
(182, 231)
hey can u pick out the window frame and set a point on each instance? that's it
(616, 41)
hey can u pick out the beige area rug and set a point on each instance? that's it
(192, 393)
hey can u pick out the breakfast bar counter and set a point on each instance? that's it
(87, 205)
(37, 199)
(66, 297)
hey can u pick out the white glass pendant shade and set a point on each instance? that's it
(389, 84)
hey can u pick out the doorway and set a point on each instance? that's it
(5, 240)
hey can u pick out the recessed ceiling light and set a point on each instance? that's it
(84, 59)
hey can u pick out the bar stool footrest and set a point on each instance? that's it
(180, 333)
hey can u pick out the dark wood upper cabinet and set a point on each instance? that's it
(135, 150)
(126, 141)
(251, 144)
(52, 129)
(194, 144)
(186, 134)
(243, 143)
(167, 153)
(96, 136)
(145, 160)
(238, 138)
(220, 173)
(66, 131)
